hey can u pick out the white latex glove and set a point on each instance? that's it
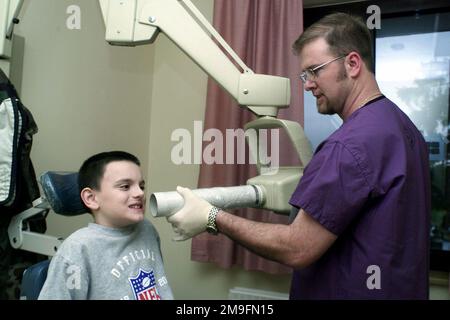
(192, 219)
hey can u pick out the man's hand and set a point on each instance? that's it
(192, 219)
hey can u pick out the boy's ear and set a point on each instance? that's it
(89, 199)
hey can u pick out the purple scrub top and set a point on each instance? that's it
(369, 184)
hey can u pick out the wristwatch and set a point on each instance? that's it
(211, 226)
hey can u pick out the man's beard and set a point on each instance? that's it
(342, 74)
(333, 109)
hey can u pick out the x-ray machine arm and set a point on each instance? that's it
(137, 22)
(9, 10)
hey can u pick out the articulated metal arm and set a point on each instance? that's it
(9, 10)
(20, 237)
(137, 22)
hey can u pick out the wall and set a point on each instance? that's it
(85, 95)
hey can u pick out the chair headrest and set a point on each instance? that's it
(61, 192)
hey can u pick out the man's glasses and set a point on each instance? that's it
(311, 73)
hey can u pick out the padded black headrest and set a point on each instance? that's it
(61, 191)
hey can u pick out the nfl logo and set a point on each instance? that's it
(144, 286)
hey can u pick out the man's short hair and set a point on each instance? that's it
(344, 33)
(92, 170)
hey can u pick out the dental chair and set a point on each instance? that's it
(60, 195)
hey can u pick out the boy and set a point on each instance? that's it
(118, 256)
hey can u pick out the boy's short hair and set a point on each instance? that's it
(92, 169)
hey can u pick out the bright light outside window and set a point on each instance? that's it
(413, 70)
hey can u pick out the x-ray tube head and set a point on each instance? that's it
(163, 204)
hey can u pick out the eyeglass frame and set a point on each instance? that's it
(313, 71)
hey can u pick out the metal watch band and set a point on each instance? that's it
(211, 227)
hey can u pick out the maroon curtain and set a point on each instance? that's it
(261, 33)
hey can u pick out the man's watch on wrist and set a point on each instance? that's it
(211, 226)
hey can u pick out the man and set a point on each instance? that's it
(362, 226)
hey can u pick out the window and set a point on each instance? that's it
(412, 59)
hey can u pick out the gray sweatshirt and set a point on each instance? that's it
(97, 262)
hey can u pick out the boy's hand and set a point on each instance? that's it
(192, 219)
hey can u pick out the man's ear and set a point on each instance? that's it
(89, 198)
(353, 64)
